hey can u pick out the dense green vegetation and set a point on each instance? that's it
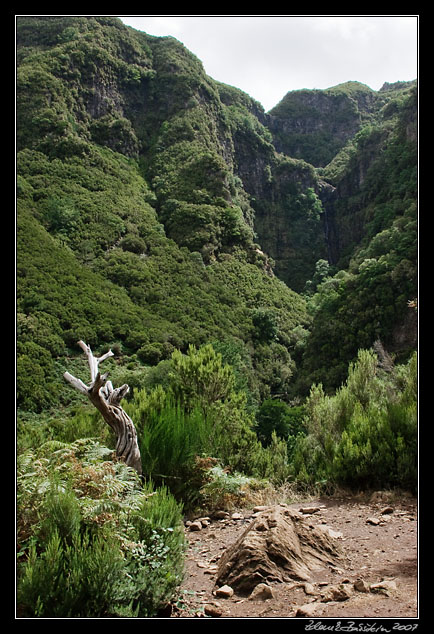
(315, 125)
(367, 298)
(258, 290)
(94, 540)
(365, 435)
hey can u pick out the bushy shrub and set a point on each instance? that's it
(276, 415)
(169, 440)
(200, 376)
(199, 414)
(366, 434)
(93, 542)
(223, 488)
(365, 454)
(155, 561)
(265, 325)
(76, 580)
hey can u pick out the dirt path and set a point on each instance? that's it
(378, 535)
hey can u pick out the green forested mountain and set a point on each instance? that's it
(133, 226)
(255, 275)
(158, 208)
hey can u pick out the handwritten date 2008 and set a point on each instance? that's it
(352, 626)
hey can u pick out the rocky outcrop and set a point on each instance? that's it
(315, 124)
(279, 545)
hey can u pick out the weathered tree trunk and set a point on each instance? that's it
(277, 546)
(107, 401)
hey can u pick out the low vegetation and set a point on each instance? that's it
(96, 540)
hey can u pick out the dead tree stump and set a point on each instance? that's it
(278, 545)
(107, 401)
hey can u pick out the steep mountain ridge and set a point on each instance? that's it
(315, 124)
(179, 196)
(145, 211)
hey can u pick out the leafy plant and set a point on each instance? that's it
(92, 540)
(170, 439)
(200, 377)
(276, 416)
(223, 488)
(76, 580)
(364, 435)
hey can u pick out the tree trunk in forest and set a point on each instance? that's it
(107, 401)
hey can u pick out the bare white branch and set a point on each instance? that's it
(107, 400)
(105, 356)
(77, 383)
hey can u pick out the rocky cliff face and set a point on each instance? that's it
(231, 168)
(377, 176)
(315, 124)
(316, 128)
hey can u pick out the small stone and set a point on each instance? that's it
(225, 592)
(361, 586)
(196, 526)
(236, 516)
(308, 609)
(384, 587)
(212, 609)
(221, 515)
(211, 570)
(336, 593)
(387, 510)
(309, 510)
(373, 520)
(309, 588)
(261, 592)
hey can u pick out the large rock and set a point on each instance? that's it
(278, 545)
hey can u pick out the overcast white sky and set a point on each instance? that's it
(266, 56)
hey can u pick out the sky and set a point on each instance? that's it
(266, 56)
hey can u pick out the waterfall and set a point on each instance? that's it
(327, 196)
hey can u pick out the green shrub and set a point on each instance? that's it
(264, 322)
(223, 488)
(365, 454)
(276, 415)
(201, 377)
(271, 462)
(199, 414)
(76, 580)
(150, 353)
(158, 510)
(169, 440)
(60, 513)
(93, 541)
(156, 561)
(366, 434)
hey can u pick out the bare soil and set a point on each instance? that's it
(377, 534)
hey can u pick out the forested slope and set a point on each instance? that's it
(126, 172)
(144, 173)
